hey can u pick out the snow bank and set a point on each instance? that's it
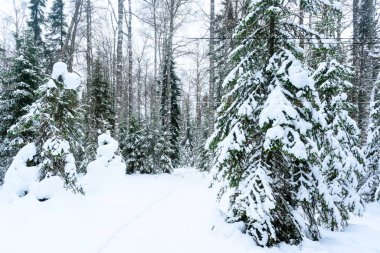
(46, 188)
(108, 166)
(20, 176)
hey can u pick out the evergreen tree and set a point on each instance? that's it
(370, 189)
(340, 153)
(170, 111)
(341, 157)
(225, 23)
(56, 27)
(134, 148)
(145, 148)
(187, 147)
(101, 100)
(160, 150)
(265, 139)
(22, 80)
(53, 125)
(36, 20)
(100, 115)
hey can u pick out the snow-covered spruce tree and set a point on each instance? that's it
(23, 79)
(342, 160)
(162, 151)
(370, 190)
(170, 111)
(225, 23)
(54, 124)
(100, 114)
(56, 27)
(133, 148)
(266, 164)
(187, 139)
(187, 148)
(145, 148)
(101, 99)
(36, 21)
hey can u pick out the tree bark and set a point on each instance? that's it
(119, 69)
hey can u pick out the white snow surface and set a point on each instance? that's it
(153, 213)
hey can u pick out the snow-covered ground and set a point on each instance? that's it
(145, 214)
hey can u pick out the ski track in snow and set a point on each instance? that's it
(138, 216)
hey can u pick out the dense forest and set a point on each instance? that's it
(277, 99)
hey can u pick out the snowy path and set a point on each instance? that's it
(152, 214)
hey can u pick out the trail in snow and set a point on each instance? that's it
(153, 213)
(136, 217)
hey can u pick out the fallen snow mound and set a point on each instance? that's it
(19, 176)
(108, 166)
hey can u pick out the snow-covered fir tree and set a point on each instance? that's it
(266, 166)
(225, 23)
(134, 148)
(53, 125)
(342, 160)
(100, 115)
(160, 150)
(146, 149)
(22, 80)
(57, 32)
(170, 111)
(101, 100)
(187, 147)
(370, 190)
(37, 19)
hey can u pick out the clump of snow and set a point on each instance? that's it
(59, 69)
(70, 80)
(20, 176)
(107, 147)
(108, 166)
(56, 146)
(46, 188)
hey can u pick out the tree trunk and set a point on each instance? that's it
(119, 69)
(212, 66)
(130, 62)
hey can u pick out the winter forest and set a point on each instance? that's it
(189, 126)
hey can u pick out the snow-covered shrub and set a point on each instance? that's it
(21, 175)
(108, 164)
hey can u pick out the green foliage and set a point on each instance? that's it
(146, 149)
(170, 110)
(57, 32)
(36, 20)
(21, 82)
(53, 123)
(266, 139)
